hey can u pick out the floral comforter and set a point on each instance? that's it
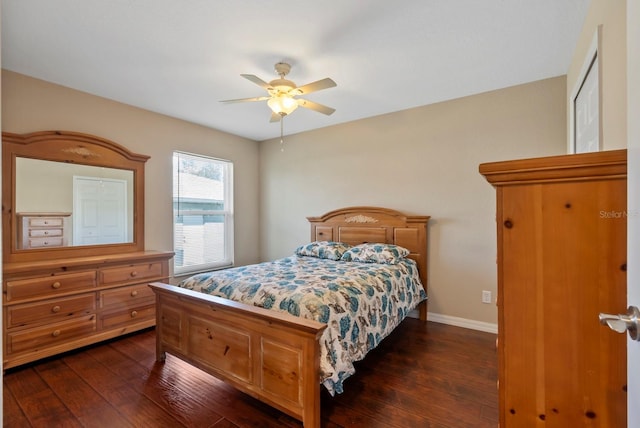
(361, 303)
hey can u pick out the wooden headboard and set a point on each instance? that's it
(357, 225)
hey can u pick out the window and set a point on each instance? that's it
(202, 213)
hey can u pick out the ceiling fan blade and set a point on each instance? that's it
(258, 81)
(316, 107)
(243, 100)
(275, 117)
(315, 86)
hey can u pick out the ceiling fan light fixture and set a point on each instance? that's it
(282, 104)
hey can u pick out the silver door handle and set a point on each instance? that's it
(623, 322)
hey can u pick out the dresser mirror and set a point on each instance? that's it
(99, 200)
(68, 194)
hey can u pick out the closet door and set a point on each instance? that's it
(563, 262)
(100, 207)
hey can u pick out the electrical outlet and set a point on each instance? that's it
(486, 296)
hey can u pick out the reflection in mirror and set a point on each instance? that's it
(93, 205)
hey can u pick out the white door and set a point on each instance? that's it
(99, 211)
(633, 198)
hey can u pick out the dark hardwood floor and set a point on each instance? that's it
(423, 375)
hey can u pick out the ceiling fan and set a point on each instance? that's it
(282, 93)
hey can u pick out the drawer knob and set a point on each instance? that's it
(134, 273)
(56, 333)
(134, 314)
(134, 293)
(56, 285)
(55, 309)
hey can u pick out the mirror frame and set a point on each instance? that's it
(67, 147)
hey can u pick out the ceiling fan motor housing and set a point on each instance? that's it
(281, 86)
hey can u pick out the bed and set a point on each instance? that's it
(283, 359)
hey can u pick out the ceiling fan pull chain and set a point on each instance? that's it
(282, 134)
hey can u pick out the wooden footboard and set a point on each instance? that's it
(271, 356)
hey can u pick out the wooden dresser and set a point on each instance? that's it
(37, 230)
(59, 305)
(561, 228)
(58, 296)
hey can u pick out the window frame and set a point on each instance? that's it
(227, 212)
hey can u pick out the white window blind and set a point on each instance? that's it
(202, 213)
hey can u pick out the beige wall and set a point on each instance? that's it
(611, 15)
(420, 161)
(30, 105)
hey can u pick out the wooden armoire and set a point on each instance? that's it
(561, 228)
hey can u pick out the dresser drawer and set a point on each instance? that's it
(46, 242)
(45, 221)
(128, 316)
(132, 273)
(126, 296)
(50, 286)
(35, 339)
(45, 233)
(53, 310)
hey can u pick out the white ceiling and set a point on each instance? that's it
(181, 57)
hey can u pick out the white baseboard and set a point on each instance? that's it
(463, 322)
